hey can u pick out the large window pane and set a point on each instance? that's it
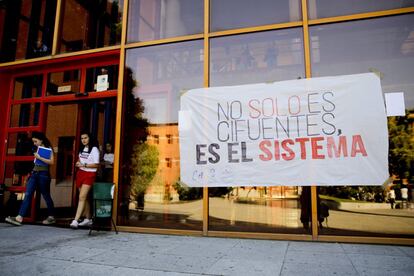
(260, 209)
(234, 14)
(383, 46)
(20, 144)
(26, 28)
(329, 8)
(65, 82)
(257, 57)
(92, 75)
(251, 58)
(25, 115)
(17, 173)
(89, 24)
(27, 87)
(367, 211)
(155, 19)
(150, 193)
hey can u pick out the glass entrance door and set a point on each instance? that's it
(61, 129)
(64, 123)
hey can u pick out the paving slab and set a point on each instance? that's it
(324, 247)
(247, 267)
(292, 268)
(373, 249)
(385, 262)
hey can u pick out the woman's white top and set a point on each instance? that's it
(404, 193)
(109, 160)
(89, 158)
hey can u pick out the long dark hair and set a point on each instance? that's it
(112, 147)
(92, 142)
(42, 137)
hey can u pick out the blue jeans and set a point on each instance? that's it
(42, 180)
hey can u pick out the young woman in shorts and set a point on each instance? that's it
(87, 165)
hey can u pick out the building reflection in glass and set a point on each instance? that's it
(150, 167)
(366, 210)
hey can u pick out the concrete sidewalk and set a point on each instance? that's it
(48, 250)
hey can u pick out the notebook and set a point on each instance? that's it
(43, 152)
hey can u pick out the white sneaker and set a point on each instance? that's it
(86, 222)
(74, 224)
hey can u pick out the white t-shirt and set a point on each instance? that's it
(89, 158)
(404, 193)
(109, 159)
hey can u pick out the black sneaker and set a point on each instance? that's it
(12, 220)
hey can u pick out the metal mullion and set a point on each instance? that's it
(43, 111)
(308, 73)
(22, 129)
(18, 158)
(10, 101)
(306, 39)
(63, 69)
(363, 239)
(44, 84)
(101, 64)
(164, 41)
(119, 100)
(56, 29)
(72, 97)
(85, 52)
(82, 83)
(161, 231)
(257, 29)
(42, 117)
(26, 101)
(206, 83)
(359, 16)
(62, 58)
(28, 74)
(57, 56)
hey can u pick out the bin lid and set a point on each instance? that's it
(103, 190)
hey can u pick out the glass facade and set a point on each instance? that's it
(259, 209)
(89, 24)
(383, 46)
(154, 19)
(257, 57)
(262, 41)
(92, 75)
(329, 8)
(65, 82)
(28, 87)
(150, 193)
(26, 28)
(20, 144)
(266, 12)
(22, 115)
(252, 58)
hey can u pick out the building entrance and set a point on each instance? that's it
(60, 97)
(64, 123)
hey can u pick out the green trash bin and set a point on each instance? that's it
(103, 194)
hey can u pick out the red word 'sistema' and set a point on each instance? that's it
(321, 148)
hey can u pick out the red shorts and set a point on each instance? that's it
(85, 178)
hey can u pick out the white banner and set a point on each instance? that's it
(320, 131)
